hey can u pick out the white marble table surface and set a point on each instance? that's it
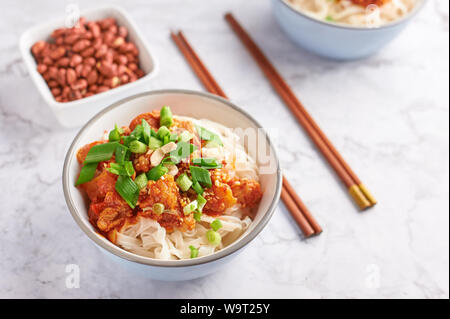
(388, 115)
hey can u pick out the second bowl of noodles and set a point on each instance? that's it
(344, 29)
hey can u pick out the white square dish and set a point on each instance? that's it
(76, 113)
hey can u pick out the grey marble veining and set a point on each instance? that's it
(388, 115)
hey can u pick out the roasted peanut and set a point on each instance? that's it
(38, 47)
(79, 85)
(102, 89)
(64, 62)
(106, 23)
(92, 77)
(71, 76)
(80, 45)
(101, 51)
(56, 91)
(75, 60)
(41, 68)
(87, 52)
(61, 77)
(123, 32)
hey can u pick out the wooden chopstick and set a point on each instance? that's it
(295, 205)
(356, 188)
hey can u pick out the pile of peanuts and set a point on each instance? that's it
(90, 58)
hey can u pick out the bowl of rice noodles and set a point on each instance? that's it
(344, 29)
(172, 184)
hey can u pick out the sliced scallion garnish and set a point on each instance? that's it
(128, 190)
(201, 176)
(163, 131)
(216, 224)
(194, 251)
(158, 208)
(87, 173)
(154, 143)
(184, 182)
(138, 147)
(157, 172)
(197, 188)
(101, 152)
(207, 162)
(141, 181)
(146, 131)
(213, 237)
(116, 134)
(198, 216)
(165, 118)
(201, 203)
(120, 153)
(190, 208)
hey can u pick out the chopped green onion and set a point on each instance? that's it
(329, 18)
(207, 162)
(201, 176)
(153, 133)
(163, 131)
(207, 135)
(128, 165)
(138, 133)
(190, 208)
(184, 182)
(117, 169)
(194, 251)
(198, 216)
(126, 169)
(186, 136)
(157, 172)
(146, 131)
(115, 135)
(197, 188)
(154, 143)
(166, 139)
(87, 173)
(141, 181)
(128, 139)
(101, 152)
(158, 208)
(138, 147)
(128, 189)
(120, 154)
(165, 118)
(216, 224)
(213, 237)
(201, 203)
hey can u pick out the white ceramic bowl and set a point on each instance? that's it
(76, 113)
(184, 103)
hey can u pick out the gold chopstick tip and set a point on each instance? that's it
(358, 196)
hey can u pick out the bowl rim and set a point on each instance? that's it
(408, 16)
(42, 87)
(122, 253)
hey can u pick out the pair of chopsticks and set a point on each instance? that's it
(295, 205)
(356, 188)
